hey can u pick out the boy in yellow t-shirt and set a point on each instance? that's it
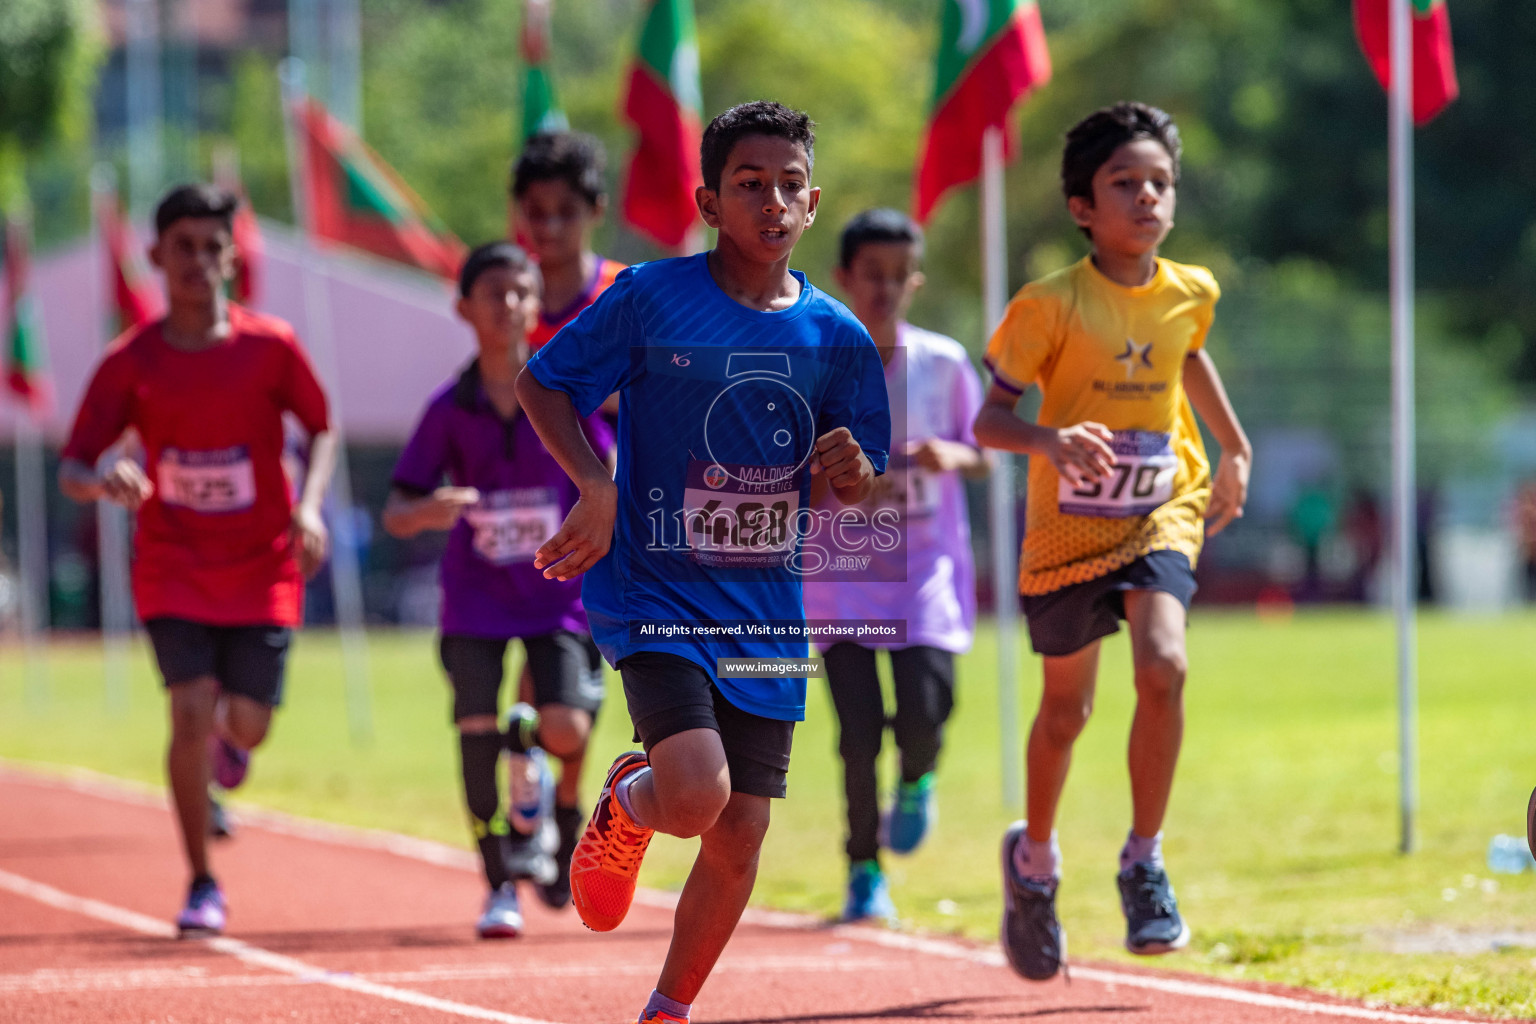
(1118, 499)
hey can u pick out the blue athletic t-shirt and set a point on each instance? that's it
(719, 409)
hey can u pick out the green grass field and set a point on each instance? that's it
(1281, 839)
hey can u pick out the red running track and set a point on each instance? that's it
(337, 925)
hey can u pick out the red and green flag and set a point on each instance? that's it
(354, 198)
(663, 103)
(541, 107)
(135, 300)
(1434, 62)
(991, 53)
(26, 359)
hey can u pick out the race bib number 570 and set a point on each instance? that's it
(212, 481)
(1140, 480)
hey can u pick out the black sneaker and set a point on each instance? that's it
(1152, 921)
(1033, 941)
(568, 821)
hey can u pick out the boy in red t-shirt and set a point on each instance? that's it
(221, 548)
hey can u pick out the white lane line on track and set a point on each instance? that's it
(52, 981)
(249, 954)
(1173, 986)
(109, 787)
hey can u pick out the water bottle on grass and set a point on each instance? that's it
(1509, 855)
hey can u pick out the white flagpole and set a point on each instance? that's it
(1000, 493)
(146, 171)
(32, 554)
(346, 575)
(344, 61)
(1404, 495)
(111, 520)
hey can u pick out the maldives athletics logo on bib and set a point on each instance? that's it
(715, 476)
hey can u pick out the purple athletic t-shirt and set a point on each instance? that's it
(490, 587)
(935, 393)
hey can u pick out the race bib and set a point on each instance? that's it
(740, 516)
(511, 526)
(913, 493)
(214, 481)
(1140, 481)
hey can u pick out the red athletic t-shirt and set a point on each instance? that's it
(212, 543)
(550, 321)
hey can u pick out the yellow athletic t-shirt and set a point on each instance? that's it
(1114, 355)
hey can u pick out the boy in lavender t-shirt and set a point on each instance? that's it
(505, 497)
(934, 396)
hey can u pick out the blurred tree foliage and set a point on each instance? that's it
(1284, 192)
(48, 51)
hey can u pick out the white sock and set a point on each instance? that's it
(1037, 860)
(1141, 850)
(621, 790)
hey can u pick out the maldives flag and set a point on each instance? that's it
(991, 53)
(1434, 63)
(541, 107)
(355, 198)
(135, 300)
(26, 360)
(663, 103)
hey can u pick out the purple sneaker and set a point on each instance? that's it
(230, 763)
(204, 912)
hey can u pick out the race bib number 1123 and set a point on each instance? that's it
(210, 481)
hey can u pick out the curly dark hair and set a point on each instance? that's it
(1096, 137)
(881, 224)
(196, 200)
(760, 117)
(575, 158)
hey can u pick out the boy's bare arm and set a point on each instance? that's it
(1081, 452)
(406, 515)
(1229, 488)
(942, 456)
(311, 541)
(847, 469)
(123, 483)
(587, 532)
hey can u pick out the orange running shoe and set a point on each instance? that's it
(660, 1017)
(607, 858)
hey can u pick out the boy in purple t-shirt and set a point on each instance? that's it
(934, 396)
(505, 497)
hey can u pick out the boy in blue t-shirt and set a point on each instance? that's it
(739, 381)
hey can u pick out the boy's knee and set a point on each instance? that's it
(1160, 673)
(193, 704)
(738, 833)
(563, 730)
(1063, 718)
(694, 807)
(247, 723)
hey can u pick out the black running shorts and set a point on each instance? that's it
(1065, 621)
(669, 694)
(246, 660)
